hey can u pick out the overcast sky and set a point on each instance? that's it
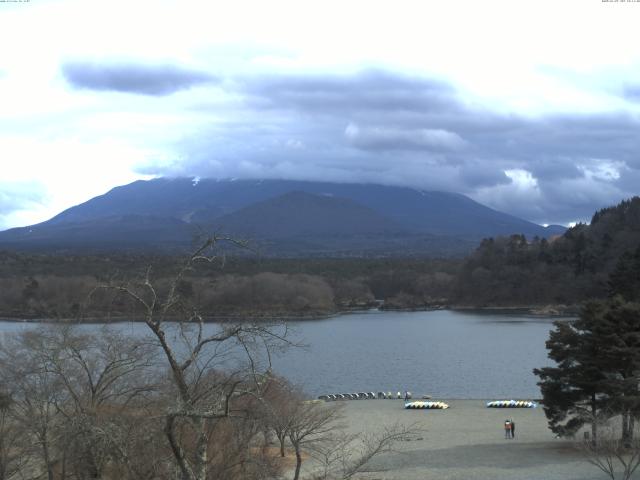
(530, 107)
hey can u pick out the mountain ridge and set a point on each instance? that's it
(273, 209)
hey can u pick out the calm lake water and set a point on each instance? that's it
(442, 353)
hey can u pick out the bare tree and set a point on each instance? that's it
(234, 452)
(71, 391)
(310, 424)
(343, 456)
(614, 455)
(102, 375)
(279, 408)
(12, 452)
(36, 394)
(195, 356)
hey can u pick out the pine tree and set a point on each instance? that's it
(625, 279)
(573, 392)
(618, 334)
(598, 368)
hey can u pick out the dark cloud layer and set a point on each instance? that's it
(389, 138)
(377, 126)
(156, 80)
(361, 92)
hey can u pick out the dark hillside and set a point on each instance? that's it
(115, 232)
(570, 269)
(300, 214)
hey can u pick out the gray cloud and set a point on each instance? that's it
(476, 175)
(380, 127)
(386, 138)
(366, 91)
(156, 80)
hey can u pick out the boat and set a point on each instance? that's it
(512, 404)
(421, 404)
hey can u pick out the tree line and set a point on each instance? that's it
(249, 287)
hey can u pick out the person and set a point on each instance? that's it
(513, 428)
(406, 396)
(507, 429)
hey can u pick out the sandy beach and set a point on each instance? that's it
(467, 442)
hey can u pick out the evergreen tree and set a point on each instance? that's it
(598, 368)
(573, 390)
(625, 279)
(618, 334)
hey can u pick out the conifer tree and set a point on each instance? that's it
(598, 368)
(573, 391)
(625, 279)
(598, 359)
(618, 335)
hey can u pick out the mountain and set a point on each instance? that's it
(300, 214)
(296, 216)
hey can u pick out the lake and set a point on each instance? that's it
(446, 354)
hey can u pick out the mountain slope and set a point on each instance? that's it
(108, 232)
(167, 211)
(300, 214)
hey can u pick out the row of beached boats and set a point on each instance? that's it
(365, 396)
(494, 404)
(512, 404)
(420, 404)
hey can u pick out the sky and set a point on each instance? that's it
(529, 107)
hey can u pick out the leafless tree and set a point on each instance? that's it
(36, 394)
(615, 456)
(71, 392)
(310, 424)
(103, 375)
(343, 456)
(12, 441)
(279, 407)
(210, 368)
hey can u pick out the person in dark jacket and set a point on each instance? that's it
(513, 429)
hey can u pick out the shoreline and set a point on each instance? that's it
(559, 311)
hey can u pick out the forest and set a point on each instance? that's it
(569, 269)
(58, 287)
(505, 272)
